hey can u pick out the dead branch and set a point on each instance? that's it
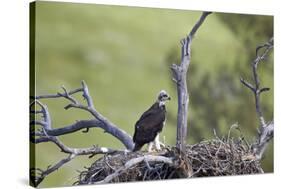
(133, 162)
(99, 121)
(264, 136)
(38, 175)
(78, 125)
(46, 133)
(179, 76)
(266, 130)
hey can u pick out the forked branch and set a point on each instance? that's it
(99, 121)
(179, 76)
(46, 133)
(266, 130)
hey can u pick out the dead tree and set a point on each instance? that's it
(166, 164)
(179, 77)
(46, 133)
(216, 157)
(266, 129)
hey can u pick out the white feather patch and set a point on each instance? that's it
(162, 103)
(157, 142)
(104, 150)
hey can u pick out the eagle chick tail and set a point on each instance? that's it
(137, 147)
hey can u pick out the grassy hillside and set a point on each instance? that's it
(121, 53)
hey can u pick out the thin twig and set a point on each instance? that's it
(56, 95)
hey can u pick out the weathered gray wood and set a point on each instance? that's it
(266, 130)
(73, 153)
(99, 121)
(48, 134)
(264, 136)
(179, 76)
(133, 162)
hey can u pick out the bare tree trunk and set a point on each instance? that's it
(180, 73)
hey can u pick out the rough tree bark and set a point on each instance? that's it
(179, 77)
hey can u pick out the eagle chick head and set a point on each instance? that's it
(163, 96)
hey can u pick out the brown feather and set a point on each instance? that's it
(149, 125)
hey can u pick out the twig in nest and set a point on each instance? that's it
(133, 162)
(208, 158)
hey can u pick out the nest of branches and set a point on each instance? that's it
(208, 158)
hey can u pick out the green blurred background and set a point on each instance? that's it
(124, 55)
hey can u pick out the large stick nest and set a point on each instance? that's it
(208, 158)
